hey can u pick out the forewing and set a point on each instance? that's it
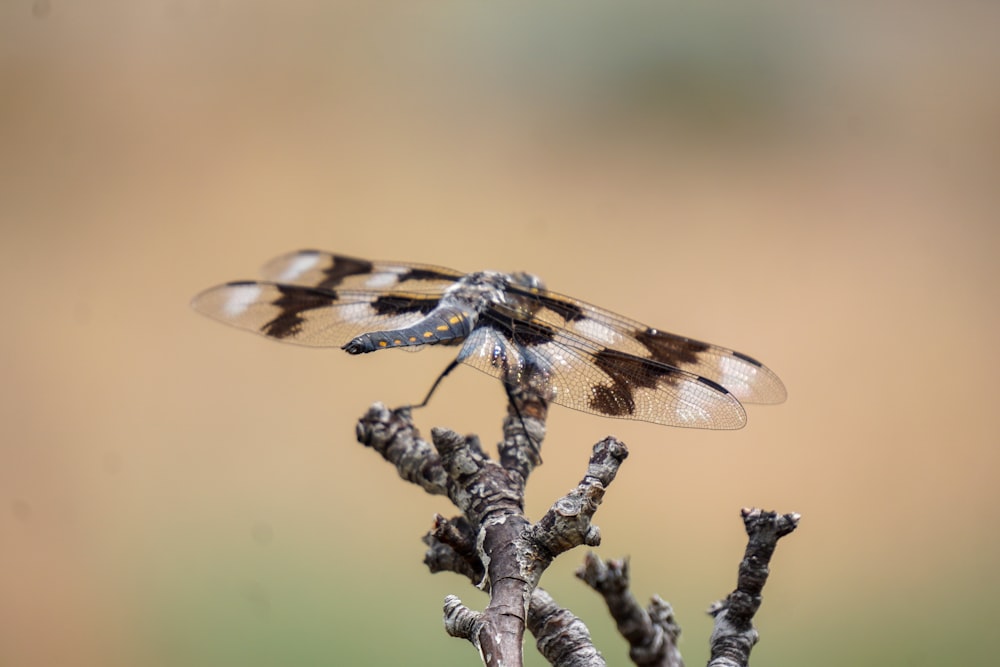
(745, 377)
(323, 270)
(309, 315)
(601, 381)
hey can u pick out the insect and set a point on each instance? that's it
(504, 324)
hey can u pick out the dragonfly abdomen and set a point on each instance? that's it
(443, 326)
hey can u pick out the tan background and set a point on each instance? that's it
(812, 183)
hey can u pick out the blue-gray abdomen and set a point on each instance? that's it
(445, 326)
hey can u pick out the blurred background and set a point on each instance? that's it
(814, 184)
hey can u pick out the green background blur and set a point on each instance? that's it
(815, 184)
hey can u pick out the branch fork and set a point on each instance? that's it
(498, 549)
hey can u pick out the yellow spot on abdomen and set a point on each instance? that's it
(442, 327)
(428, 334)
(383, 343)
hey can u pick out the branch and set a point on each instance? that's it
(392, 434)
(494, 545)
(452, 548)
(492, 542)
(491, 499)
(652, 632)
(561, 637)
(515, 552)
(734, 634)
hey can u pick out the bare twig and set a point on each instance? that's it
(392, 434)
(561, 637)
(651, 633)
(734, 635)
(452, 548)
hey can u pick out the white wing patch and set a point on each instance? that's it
(355, 311)
(239, 298)
(692, 401)
(750, 383)
(382, 280)
(597, 331)
(299, 264)
(735, 376)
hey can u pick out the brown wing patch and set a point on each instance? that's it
(626, 373)
(394, 304)
(293, 302)
(341, 268)
(669, 349)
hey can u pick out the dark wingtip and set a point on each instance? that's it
(747, 358)
(714, 385)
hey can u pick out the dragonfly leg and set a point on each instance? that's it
(427, 398)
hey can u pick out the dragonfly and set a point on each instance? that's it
(507, 325)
